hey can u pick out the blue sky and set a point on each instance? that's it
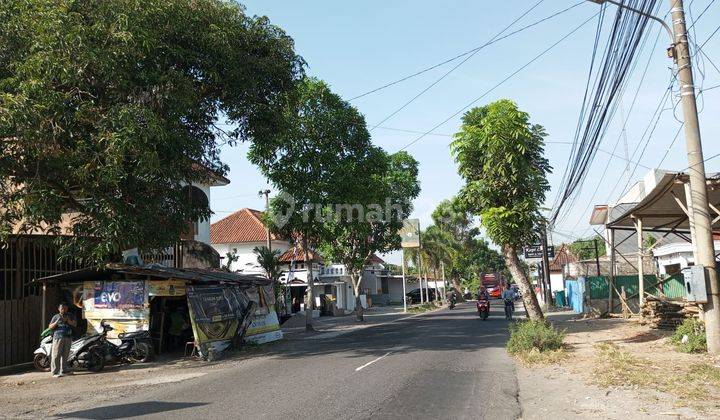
(358, 46)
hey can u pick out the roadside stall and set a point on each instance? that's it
(204, 309)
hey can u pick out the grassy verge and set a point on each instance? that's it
(536, 342)
(422, 308)
(696, 385)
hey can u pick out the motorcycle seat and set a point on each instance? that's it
(134, 334)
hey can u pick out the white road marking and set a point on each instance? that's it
(372, 361)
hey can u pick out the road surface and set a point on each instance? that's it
(443, 364)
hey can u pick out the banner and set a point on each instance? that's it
(119, 295)
(410, 233)
(216, 303)
(219, 315)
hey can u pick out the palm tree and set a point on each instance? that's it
(269, 260)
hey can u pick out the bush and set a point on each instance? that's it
(527, 337)
(690, 337)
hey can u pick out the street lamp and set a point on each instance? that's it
(640, 12)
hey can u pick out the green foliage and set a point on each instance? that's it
(269, 260)
(108, 108)
(500, 156)
(584, 249)
(689, 337)
(230, 258)
(533, 336)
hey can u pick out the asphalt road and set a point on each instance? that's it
(444, 364)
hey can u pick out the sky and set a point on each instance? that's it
(359, 46)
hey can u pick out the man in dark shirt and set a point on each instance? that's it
(61, 324)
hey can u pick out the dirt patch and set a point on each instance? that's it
(617, 368)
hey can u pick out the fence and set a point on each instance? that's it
(23, 259)
(672, 288)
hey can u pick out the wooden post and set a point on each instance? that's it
(623, 297)
(44, 306)
(641, 278)
(611, 278)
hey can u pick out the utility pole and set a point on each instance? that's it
(545, 266)
(704, 249)
(403, 277)
(699, 217)
(266, 193)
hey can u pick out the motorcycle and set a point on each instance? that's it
(509, 309)
(451, 302)
(85, 352)
(135, 347)
(483, 308)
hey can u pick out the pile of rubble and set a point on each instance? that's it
(664, 314)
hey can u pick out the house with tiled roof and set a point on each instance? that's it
(559, 267)
(242, 232)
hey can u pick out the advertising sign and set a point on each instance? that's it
(535, 251)
(216, 303)
(119, 295)
(410, 233)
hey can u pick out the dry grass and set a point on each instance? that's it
(695, 385)
(535, 357)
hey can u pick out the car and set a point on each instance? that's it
(413, 296)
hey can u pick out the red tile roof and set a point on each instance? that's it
(374, 259)
(242, 226)
(563, 257)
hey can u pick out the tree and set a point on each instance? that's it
(354, 238)
(315, 162)
(500, 156)
(109, 108)
(269, 260)
(231, 258)
(584, 249)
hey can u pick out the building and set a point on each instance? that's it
(673, 257)
(559, 267)
(241, 232)
(26, 256)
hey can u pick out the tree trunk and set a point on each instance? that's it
(309, 304)
(529, 299)
(458, 288)
(359, 311)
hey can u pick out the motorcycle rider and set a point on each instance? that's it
(61, 324)
(452, 298)
(508, 296)
(483, 294)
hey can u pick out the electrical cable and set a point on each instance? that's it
(487, 92)
(472, 51)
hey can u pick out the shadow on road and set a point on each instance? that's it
(129, 410)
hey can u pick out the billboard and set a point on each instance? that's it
(410, 233)
(119, 295)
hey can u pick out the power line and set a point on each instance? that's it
(487, 92)
(461, 55)
(447, 73)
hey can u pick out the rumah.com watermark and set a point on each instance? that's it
(285, 207)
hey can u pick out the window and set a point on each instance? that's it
(385, 288)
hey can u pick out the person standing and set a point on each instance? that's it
(61, 324)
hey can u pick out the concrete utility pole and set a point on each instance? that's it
(699, 218)
(545, 266)
(701, 221)
(266, 193)
(403, 277)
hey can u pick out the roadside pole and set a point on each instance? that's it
(420, 278)
(704, 249)
(266, 193)
(403, 277)
(442, 267)
(546, 267)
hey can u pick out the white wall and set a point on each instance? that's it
(247, 259)
(203, 234)
(556, 282)
(395, 289)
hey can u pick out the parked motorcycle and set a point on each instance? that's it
(509, 309)
(135, 347)
(85, 352)
(483, 308)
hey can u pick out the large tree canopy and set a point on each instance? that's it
(500, 156)
(108, 108)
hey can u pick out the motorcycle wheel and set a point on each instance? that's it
(142, 353)
(96, 360)
(484, 315)
(41, 362)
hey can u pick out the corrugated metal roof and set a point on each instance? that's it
(155, 271)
